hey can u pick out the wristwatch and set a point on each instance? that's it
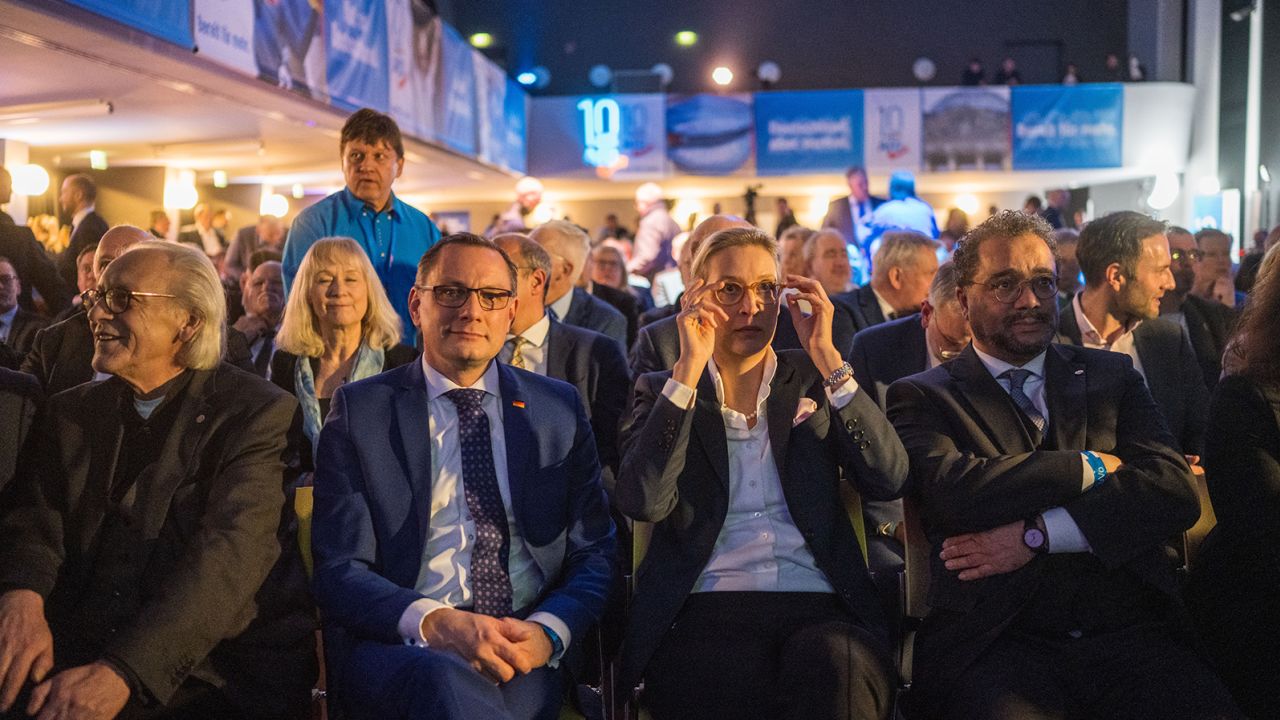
(1033, 537)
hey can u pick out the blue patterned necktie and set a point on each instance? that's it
(490, 581)
(1017, 377)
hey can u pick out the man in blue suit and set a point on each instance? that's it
(461, 535)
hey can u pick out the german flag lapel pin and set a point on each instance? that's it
(517, 403)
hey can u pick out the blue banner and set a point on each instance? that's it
(1206, 212)
(515, 110)
(166, 19)
(1057, 127)
(356, 51)
(458, 125)
(709, 134)
(808, 132)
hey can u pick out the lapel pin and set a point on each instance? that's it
(1080, 372)
(199, 419)
(517, 403)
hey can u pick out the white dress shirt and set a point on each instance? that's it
(1091, 338)
(6, 323)
(445, 582)
(534, 352)
(1064, 534)
(561, 306)
(860, 213)
(759, 548)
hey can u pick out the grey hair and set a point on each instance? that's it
(563, 238)
(194, 280)
(901, 248)
(811, 242)
(943, 288)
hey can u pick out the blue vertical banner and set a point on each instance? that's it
(458, 127)
(808, 131)
(515, 111)
(356, 51)
(166, 19)
(1056, 127)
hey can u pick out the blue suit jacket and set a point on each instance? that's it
(373, 499)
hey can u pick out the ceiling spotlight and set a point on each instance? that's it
(219, 178)
(98, 159)
(664, 72)
(722, 76)
(1164, 191)
(526, 78)
(1239, 14)
(923, 69)
(481, 40)
(30, 180)
(768, 73)
(600, 75)
(686, 38)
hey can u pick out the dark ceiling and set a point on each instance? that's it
(817, 43)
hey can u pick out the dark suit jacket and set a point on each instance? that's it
(975, 466)
(1209, 326)
(190, 235)
(373, 490)
(888, 352)
(22, 336)
(34, 266)
(19, 397)
(881, 355)
(89, 231)
(622, 301)
(840, 217)
(1173, 375)
(657, 345)
(592, 313)
(594, 365)
(652, 316)
(220, 601)
(686, 492)
(862, 307)
(62, 355)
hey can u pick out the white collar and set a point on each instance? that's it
(766, 383)
(561, 305)
(885, 308)
(1089, 333)
(998, 367)
(438, 384)
(80, 216)
(536, 334)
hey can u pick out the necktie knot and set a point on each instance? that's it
(1017, 378)
(518, 344)
(465, 399)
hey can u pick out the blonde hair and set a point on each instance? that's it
(300, 329)
(732, 238)
(193, 279)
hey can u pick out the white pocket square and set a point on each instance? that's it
(804, 409)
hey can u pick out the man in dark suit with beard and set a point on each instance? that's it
(1047, 485)
(147, 565)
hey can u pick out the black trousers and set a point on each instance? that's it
(745, 655)
(1137, 673)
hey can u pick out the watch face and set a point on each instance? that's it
(1033, 538)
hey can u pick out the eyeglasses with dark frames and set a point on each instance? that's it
(1008, 290)
(730, 293)
(455, 296)
(117, 300)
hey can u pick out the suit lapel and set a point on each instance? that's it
(784, 397)
(870, 306)
(413, 418)
(517, 429)
(177, 461)
(555, 352)
(1068, 328)
(708, 423)
(104, 433)
(1066, 394)
(993, 409)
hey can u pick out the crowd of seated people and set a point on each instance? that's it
(522, 487)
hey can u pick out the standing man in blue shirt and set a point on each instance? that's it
(394, 234)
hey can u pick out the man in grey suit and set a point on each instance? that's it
(568, 246)
(889, 352)
(651, 249)
(147, 543)
(904, 266)
(1125, 259)
(1047, 487)
(850, 215)
(585, 359)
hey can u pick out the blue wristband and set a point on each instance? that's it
(557, 645)
(1099, 468)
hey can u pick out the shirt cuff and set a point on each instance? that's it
(1064, 534)
(1086, 473)
(842, 395)
(679, 394)
(410, 625)
(545, 618)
